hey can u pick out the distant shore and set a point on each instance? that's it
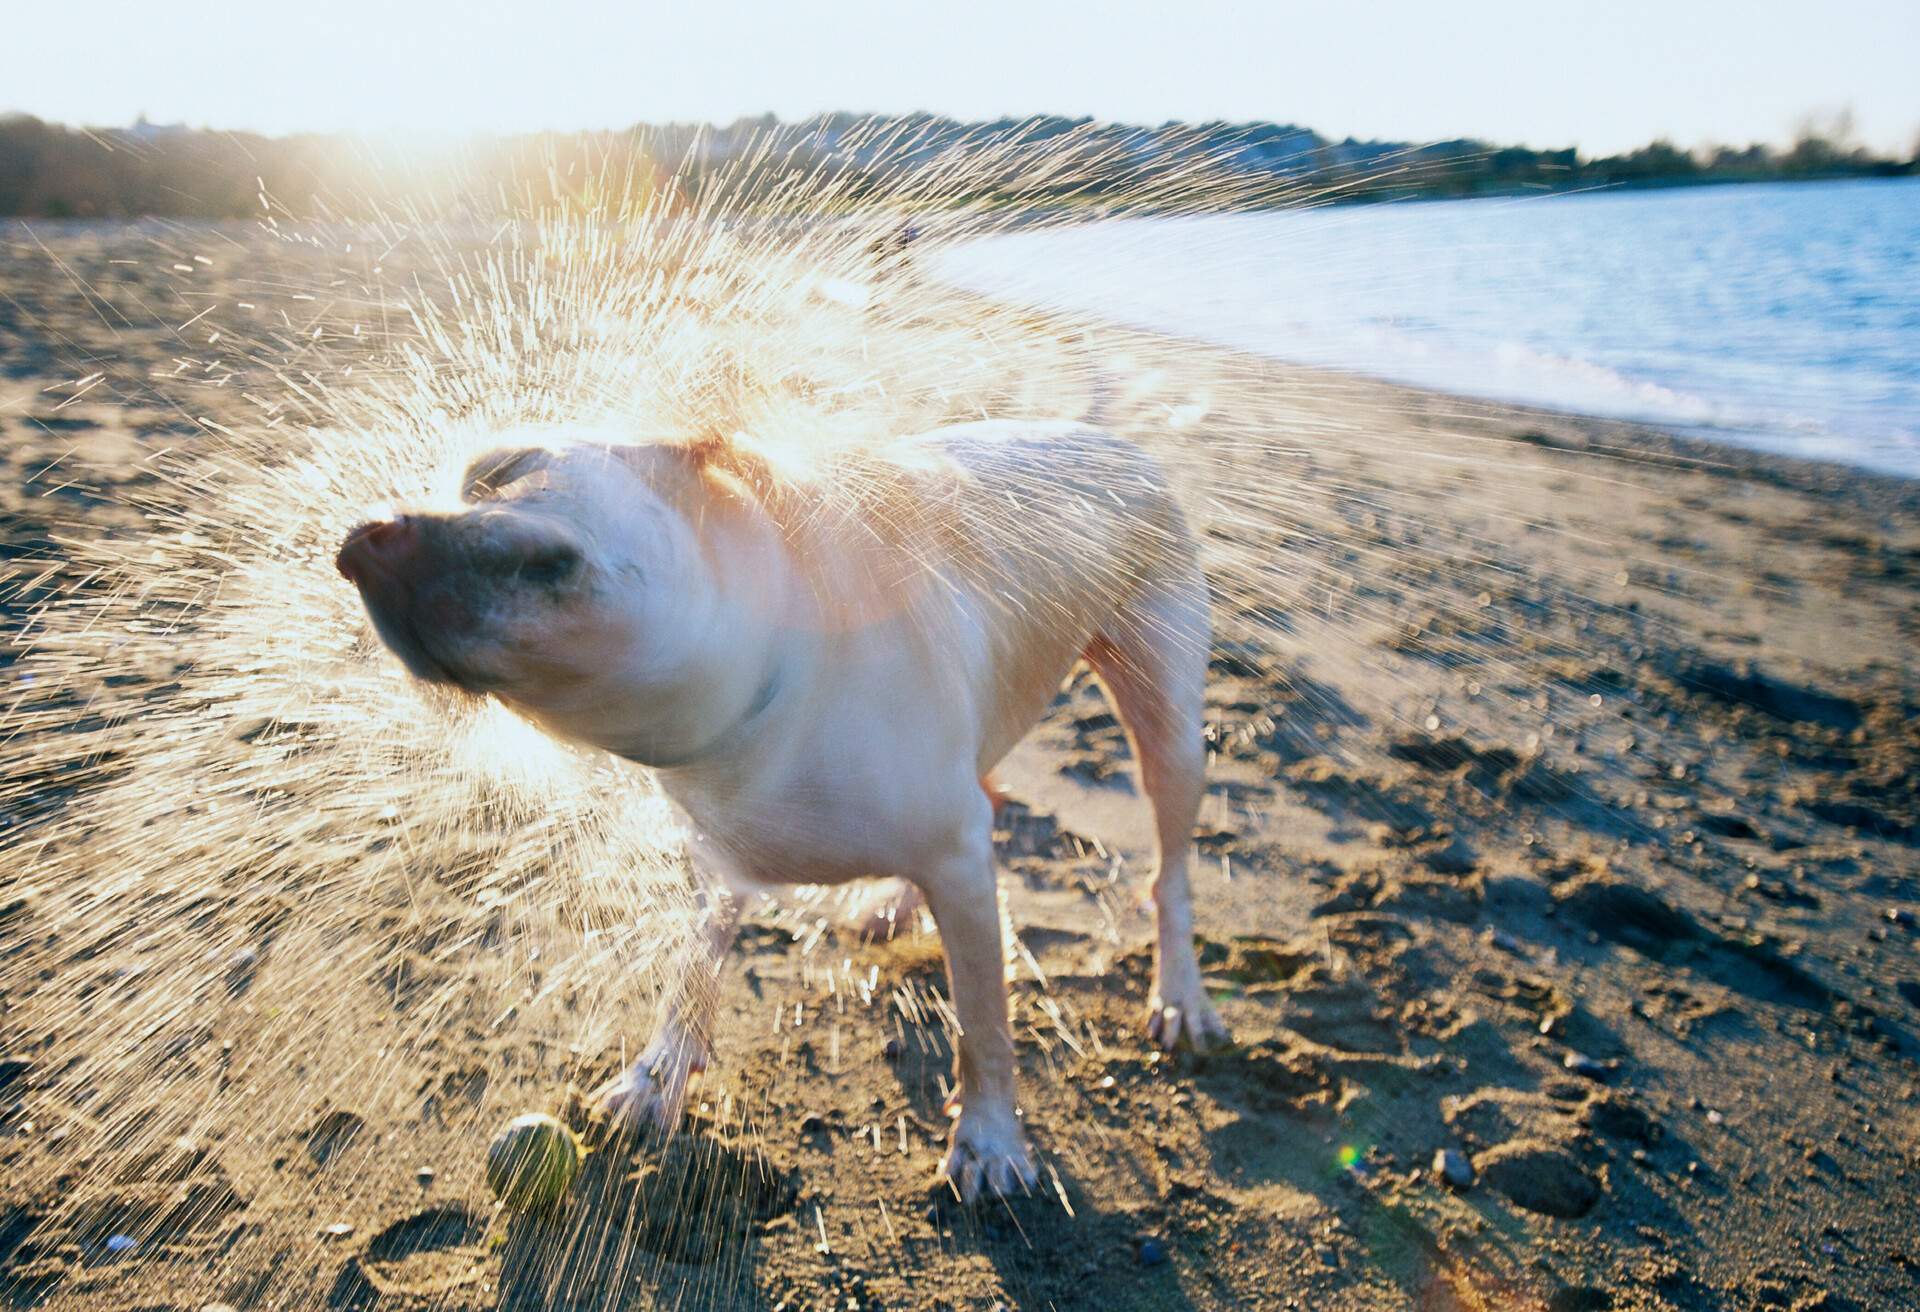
(170, 170)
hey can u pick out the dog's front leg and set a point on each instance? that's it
(986, 1145)
(652, 1091)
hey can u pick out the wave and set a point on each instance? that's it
(1784, 319)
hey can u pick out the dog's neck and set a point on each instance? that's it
(736, 651)
(655, 755)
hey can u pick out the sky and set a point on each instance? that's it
(1547, 73)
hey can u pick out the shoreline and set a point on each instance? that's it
(1607, 437)
(1601, 437)
(1593, 305)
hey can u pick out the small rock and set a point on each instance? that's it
(1454, 1168)
(1506, 942)
(894, 1049)
(1151, 1252)
(337, 1231)
(425, 1177)
(117, 1244)
(812, 1123)
(218, 1307)
(1587, 1068)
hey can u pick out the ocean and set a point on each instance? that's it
(1784, 317)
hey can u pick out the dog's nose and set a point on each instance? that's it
(379, 545)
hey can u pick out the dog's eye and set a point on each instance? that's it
(548, 566)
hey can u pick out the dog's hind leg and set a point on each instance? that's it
(1152, 660)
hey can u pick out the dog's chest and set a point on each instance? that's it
(838, 805)
(810, 836)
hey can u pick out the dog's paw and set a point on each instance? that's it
(649, 1095)
(988, 1152)
(1185, 1016)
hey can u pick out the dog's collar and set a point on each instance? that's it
(654, 761)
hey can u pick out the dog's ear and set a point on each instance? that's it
(718, 454)
(496, 470)
(697, 463)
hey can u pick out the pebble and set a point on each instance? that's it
(1151, 1252)
(894, 1049)
(1587, 1068)
(425, 1176)
(1506, 942)
(338, 1230)
(1454, 1168)
(812, 1123)
(117, 1244)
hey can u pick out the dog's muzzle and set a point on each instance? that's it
(378, 550)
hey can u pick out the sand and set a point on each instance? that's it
(1653, 981)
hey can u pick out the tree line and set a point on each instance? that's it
(52, 171)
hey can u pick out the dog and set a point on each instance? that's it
(822, 667)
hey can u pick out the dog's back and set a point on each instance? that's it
(1021, 541)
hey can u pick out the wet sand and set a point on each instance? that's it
(1650, 979)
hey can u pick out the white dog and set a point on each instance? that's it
(822, 669)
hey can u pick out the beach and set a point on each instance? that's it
(1559, 879)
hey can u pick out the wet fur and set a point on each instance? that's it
(822, 669)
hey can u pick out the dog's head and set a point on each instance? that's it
(571, 573)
